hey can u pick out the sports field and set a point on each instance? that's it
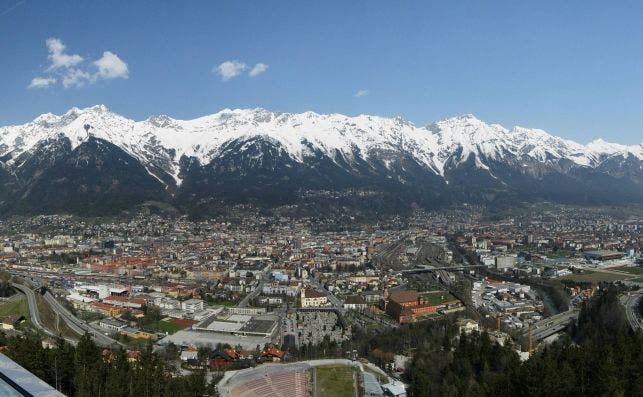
(595, 277)
(334, 381)
(438, 297)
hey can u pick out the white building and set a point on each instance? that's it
(192, 305)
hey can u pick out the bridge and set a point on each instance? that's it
(429, 269)
(551, 325)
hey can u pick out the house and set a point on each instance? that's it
(105, 309)
(467, 326)
(10, 322)
(189, 354)
(136, 333)
(394, 389)
(271, 353)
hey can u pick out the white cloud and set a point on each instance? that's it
(230, 69)
(258, 69)
(361, 93)
(58, 57)
(76, 78)
(72, 70)
(42, 82)
(110, 66)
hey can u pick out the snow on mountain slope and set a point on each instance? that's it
(160, 141)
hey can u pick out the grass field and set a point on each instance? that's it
(595, 277)
(436, 298)
(165, 326)
(19, 308)
(638, 271)
(334, 381)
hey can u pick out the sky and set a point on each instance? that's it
(572, 68)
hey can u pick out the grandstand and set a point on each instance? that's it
(270, 381)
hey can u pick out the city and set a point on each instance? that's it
(321, 199)
(229, 296)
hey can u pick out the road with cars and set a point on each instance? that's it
(74, 323)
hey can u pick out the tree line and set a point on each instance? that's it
(86, 370)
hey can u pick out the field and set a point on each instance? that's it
(595, 277)
(638, 271)
(436, 298)
(165, 326)
(19, 308)
(334, 381)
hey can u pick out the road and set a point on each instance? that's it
(338, 304)
(255, 292)
(551, 325)
(630, 302)
(77, 325)
(35, 314)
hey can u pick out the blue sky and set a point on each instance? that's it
(573, 68)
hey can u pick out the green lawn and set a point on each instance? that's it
(595, 277)
(334, 381)
(436, 298)
(20, 307)
(164, 326)
(631, 270)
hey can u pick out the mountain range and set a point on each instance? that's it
(94, 161)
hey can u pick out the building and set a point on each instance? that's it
(355, 302)
(407, 305)
(602, 255)
(112, 324)
(505, 262)
(313, 298)
(467, 326)
(192, 305)
(10, 322)
(394, 389)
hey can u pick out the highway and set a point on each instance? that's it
(551, 325)
(77, 325)
(35, 314)
(630, 302)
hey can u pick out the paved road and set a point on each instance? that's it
(78, 325)
(630, 302)
(335, 301)
(251, 295)
(35, 314)
(551, 325)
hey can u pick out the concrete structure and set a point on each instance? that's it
(15, 381)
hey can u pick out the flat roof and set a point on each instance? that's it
(204, 338)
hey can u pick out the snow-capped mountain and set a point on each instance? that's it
(241, 154)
